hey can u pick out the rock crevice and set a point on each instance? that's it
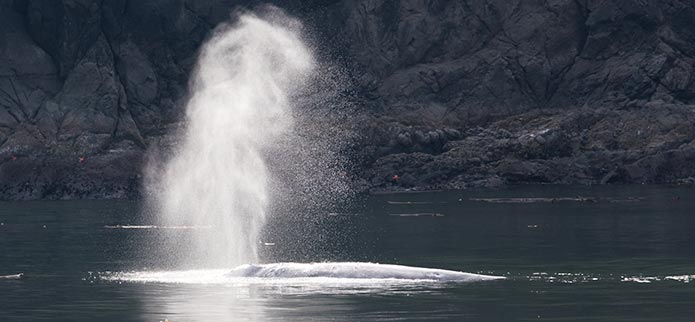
(451, 94)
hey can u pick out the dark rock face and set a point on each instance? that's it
(587, 146)
(452, 94)
(482, 93)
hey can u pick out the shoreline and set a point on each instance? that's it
(417, 191)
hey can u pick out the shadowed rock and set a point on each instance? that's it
(451, 94)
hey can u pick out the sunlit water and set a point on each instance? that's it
(628, 256)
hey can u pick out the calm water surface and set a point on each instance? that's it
(627, 256)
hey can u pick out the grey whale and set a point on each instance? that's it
(354, 270)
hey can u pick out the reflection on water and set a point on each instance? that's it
(272, 301)
(201, 303)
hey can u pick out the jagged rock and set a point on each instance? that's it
(65, 29)
(585, 146)
(453, 94)
(88, 101)
(27, 74)
(139, 78)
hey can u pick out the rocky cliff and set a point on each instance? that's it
(450, 94)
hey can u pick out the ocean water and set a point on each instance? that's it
(608, 253)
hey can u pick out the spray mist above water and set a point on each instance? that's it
(241, 99)
(256, 140)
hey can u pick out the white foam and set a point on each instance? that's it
(681, 278)
(303, 273)
(571, 278)
(642, 280)
(650, 279)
